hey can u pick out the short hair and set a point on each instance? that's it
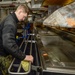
(24, 7)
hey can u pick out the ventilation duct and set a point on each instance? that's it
(63, 17)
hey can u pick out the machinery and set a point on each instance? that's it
(53, 53)
(51, 40)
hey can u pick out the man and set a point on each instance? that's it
(8, 46)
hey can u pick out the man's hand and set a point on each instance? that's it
(29, 58)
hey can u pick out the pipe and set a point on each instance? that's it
(11, 2)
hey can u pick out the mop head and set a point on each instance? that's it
(25, 65)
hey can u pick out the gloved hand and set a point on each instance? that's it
(25, 65)
(25, 62)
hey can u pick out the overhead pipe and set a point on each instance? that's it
(32, 5)
(11, 2)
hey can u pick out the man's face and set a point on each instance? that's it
(22, 16)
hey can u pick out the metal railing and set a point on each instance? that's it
(18, 72)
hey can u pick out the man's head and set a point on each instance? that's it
(21, 12)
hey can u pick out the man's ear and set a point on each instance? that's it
(19, 11)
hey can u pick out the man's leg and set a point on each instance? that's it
(4, 64)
